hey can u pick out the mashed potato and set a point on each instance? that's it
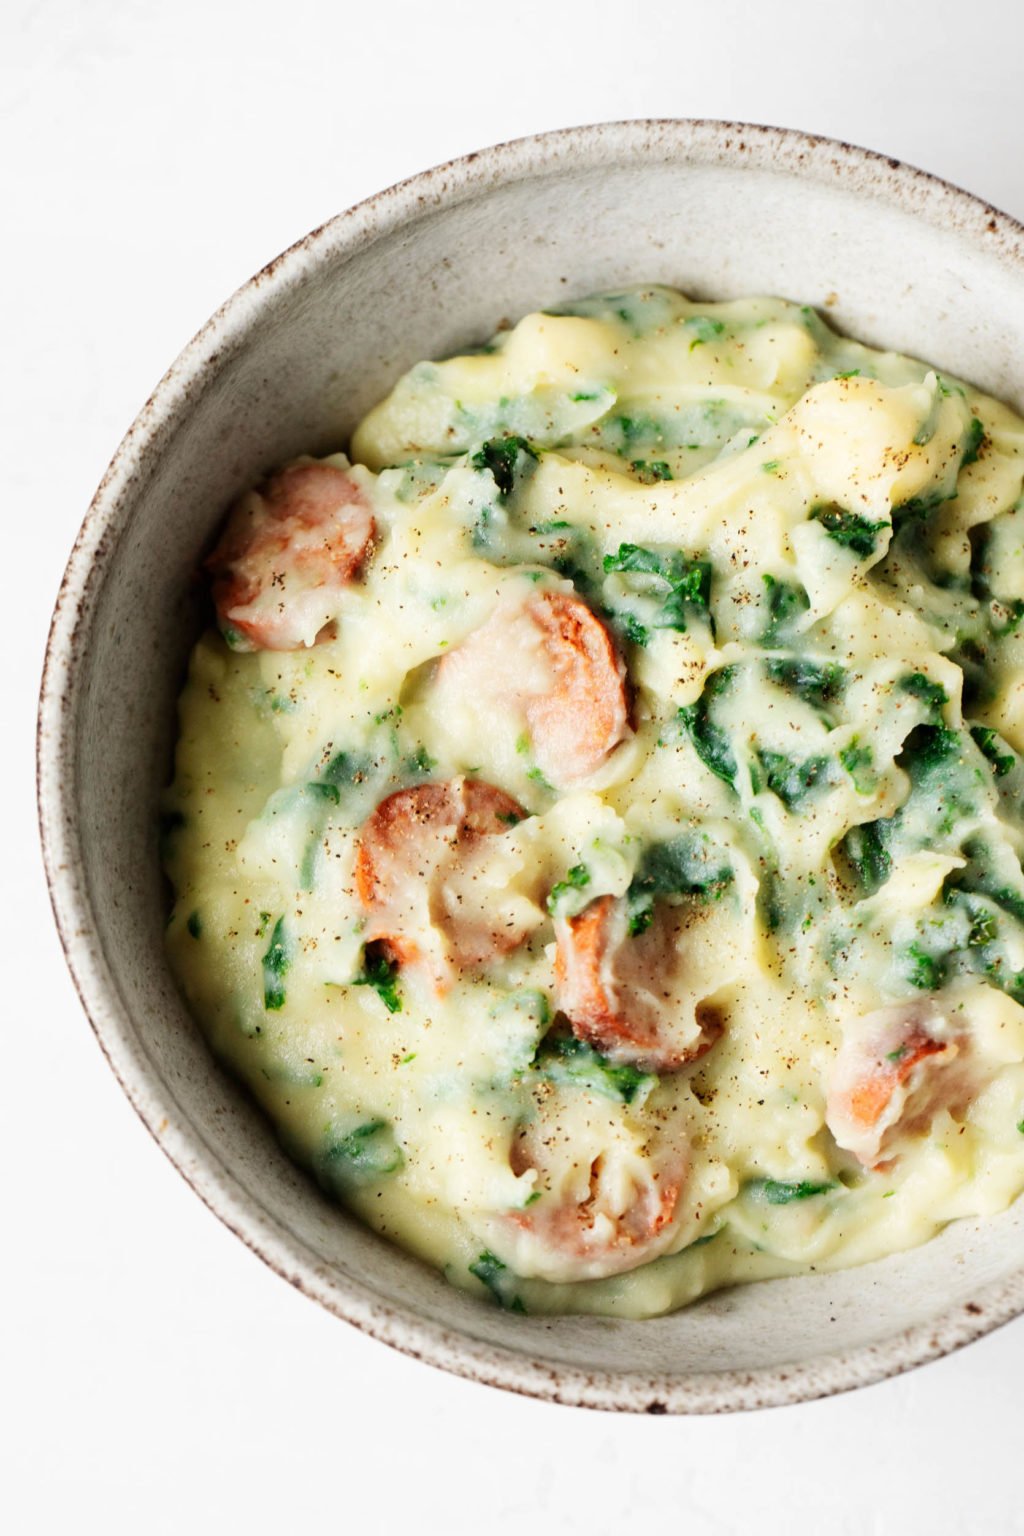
(597, 825)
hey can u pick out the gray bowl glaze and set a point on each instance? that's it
(288, 365)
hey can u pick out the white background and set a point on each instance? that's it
(154, 1376)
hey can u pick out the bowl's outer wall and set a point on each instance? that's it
(422, 272)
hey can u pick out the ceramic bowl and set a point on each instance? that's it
(288, 365)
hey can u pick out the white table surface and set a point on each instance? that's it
(154, 1376)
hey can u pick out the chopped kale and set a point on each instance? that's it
(567, 1060)
(984, 929)
(321, 789)
(972, 941)
(973, 659)
(867, 849)
(1014, 611)
(490, 1271)
(932, 695)
(704, 329)
(940, 800)
(973, 442)
(275, 967)
(849, 529)
(505, 458)
(640, 918)
(638, 429)
(857, 760)
(701, 1242)
(419, 762)
(688, 581)
(577, 879)
(234, 638)
(344, 769)
(941, 771)
(786, 602)
(635, 632)
(381, 973)
(566, 547)
(688, 865)
(631, 557)
(527, 1002)
(268, 702)
(983, 877)
(369, 1152)
(482, 534)
(921, 507)
(692, 576)
(941, 778)
(992, 746)
(930, 749)
(922, 969)
(772, 903)
(817, 683)
(710, 741)
(983, 555)
(783, 1192)
(651, 470)
(795, 780)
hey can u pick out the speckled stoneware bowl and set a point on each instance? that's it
(288, 365)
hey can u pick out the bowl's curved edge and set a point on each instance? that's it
(698, 141)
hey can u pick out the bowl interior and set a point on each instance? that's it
(290, 367)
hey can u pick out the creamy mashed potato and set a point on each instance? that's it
(597, 825)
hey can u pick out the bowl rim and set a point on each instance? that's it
(693, 141)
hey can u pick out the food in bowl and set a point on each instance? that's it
(597, 818)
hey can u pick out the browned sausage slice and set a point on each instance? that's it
(284, 556)
(548, 664)
(619, 990)
(892, 1076)
(418, 867)
(582, 717)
